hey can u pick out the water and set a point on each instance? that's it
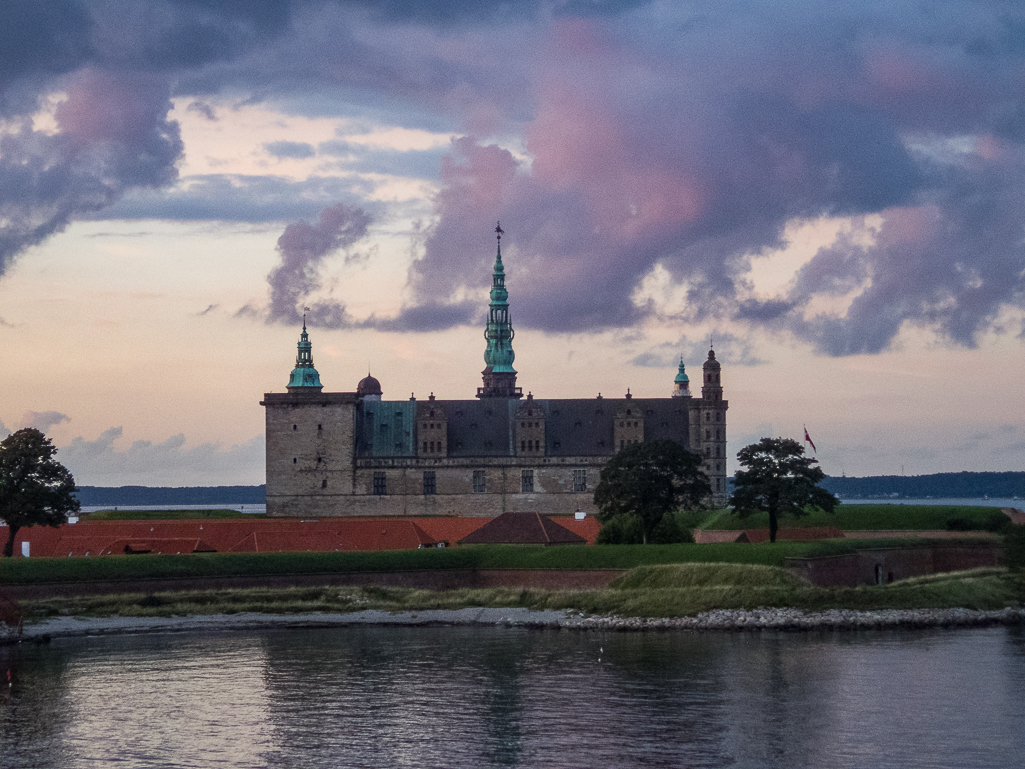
(509, 697)
(957, 501)
(247, 508)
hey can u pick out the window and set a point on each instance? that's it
(323, 484)
(479, 481)
(622, 444)
(580, 480)
(320, 427)
(523, 445)
(718, 483)
(526, 481)
(537, 445)
(294, 460)
(708, 451)
(430, 482)
(718, 416)
(708, 435)
(380, 484)
(425, 447)
(295, 427)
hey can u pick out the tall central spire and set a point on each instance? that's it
(499, 374)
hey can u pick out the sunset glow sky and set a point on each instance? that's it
(834, 192)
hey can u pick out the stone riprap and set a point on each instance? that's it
(719, 620)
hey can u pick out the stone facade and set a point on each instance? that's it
(355, 454)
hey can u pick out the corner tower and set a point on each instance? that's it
(499, 375)
(708, 428)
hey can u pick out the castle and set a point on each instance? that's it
(356, 454)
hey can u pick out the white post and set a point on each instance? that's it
(24, 549)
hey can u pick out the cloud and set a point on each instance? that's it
(286, 149)
(729, 350)
(303, 247)
(236, 198)
(43, 420)
(169, 463)
(113, 135)
(202, 108)
(613, 139)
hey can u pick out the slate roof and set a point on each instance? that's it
(573, 427)
(522, 529)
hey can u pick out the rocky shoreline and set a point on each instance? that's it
(718, 620)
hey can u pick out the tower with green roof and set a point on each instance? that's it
(499, 374)
(681, 385)
(304, 377)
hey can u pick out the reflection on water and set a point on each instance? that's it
(473, 697)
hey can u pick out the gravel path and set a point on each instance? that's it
(722, 620)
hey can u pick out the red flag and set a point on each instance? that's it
(808, 438)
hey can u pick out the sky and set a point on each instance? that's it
(833, 194)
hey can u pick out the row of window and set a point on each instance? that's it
(708, 451)
(708, 435)
(480, 482)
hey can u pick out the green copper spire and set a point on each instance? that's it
(681, 385)
(304, 377)
(499, 376)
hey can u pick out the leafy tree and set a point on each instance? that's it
(778, 480)
(35, 489)
(648, 480)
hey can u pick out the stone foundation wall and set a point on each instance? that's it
(880, 566)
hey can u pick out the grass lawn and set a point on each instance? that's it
(869, 517)
(673, 590)
(166, 515)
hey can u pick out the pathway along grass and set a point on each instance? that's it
(674, 590)
(871, 517)
(27, 571)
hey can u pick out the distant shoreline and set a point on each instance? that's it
(730, 620)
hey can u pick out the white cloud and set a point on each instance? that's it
(169, 463)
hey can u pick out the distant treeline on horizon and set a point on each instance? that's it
(963, 485)
(959, 485)
(132, 496)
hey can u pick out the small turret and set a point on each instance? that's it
(304, 376)
(681, 385)
(369, 388)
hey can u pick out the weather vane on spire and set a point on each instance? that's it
(500, 231)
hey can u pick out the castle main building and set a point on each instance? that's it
(355, 454)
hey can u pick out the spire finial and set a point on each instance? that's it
(500, 232)
(305, 310)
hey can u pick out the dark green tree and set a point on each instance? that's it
(35, 489)
(779, 480)
(648, 480)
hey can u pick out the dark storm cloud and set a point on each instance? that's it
(692, 144)
(113, 136)
(681, 136)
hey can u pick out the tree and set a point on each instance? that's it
(648, 480)
(778, 480)
(35, 489)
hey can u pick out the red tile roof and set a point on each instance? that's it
(522, 529)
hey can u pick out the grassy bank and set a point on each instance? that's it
(23, 571)
(868, 517)
(168, 515)
(652, 591)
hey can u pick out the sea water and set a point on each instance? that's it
(512, 697)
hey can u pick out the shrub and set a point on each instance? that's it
(960, 524)
(1014, 547)
(997, 522)
(623, 529)
(671, 530)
